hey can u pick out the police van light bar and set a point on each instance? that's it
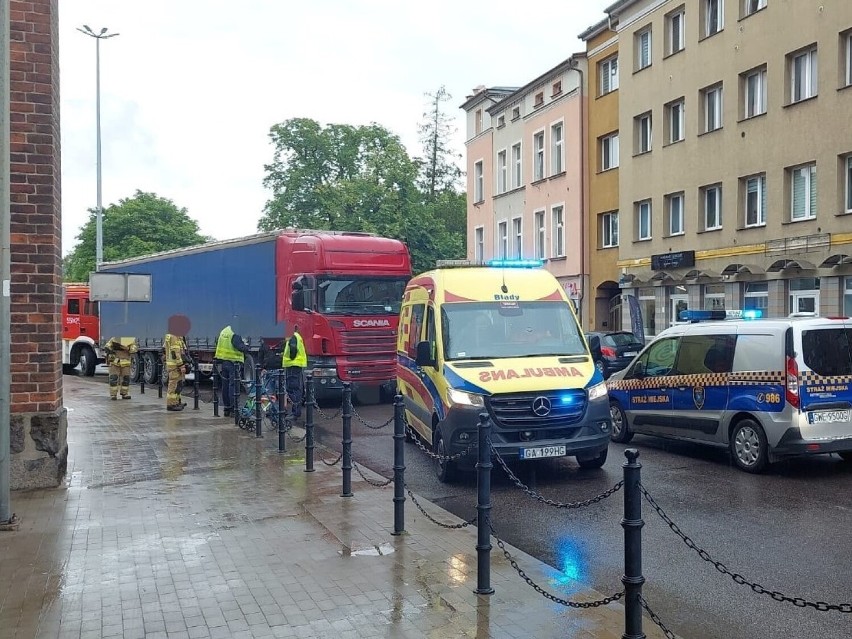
(705, 316)
(514, 263)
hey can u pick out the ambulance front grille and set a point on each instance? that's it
(546, 409)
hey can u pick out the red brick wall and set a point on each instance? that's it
(36, 285)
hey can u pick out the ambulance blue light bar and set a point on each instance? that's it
(515, 263)
(706, 316)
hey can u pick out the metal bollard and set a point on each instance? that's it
(258, 408)
(483, 508)
(347, 440)
(632, 524)
(236, 380)
(195, 382)
(214, 380)
(398, 467)
(309, 423)
(279, 396)
(159, 369)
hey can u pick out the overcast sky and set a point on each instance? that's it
(190, 88)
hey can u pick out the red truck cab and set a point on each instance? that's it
(80, 329)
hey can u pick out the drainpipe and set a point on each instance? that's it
(5, 273)
(584, 254)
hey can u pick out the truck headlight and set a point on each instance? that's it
(463, 398)
(597, 391)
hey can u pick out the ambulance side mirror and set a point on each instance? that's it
(424, 354)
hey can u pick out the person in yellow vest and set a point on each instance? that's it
(294, 360)
(119, 351)
(177, 363)
(230, 350)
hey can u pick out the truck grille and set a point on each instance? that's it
(368, 341)
(546, 409)
(367, 355)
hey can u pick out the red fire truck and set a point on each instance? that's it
(80, 330)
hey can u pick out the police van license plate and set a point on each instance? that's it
(828, 417)
(542, 451)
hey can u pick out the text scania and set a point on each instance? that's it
(547, 371)
(370, 323)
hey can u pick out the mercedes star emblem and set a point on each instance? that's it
(541, 406)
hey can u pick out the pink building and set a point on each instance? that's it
(525, 167)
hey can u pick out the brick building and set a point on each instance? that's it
(38, 420)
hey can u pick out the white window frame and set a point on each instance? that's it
(809, 175)
(609, 229)
(754, 101)
(644, 210)
(609, 152)
(609, 75)
(714, 223)
(712, 27)
(479, 244)
(557, 147)
(517, 237)
(807, 86)
(676, 111)
(503, 240)
(676, 40)
(517, 165)
(848, 188)
(540, 234)
(848, 59)
(557, 216)
(751, 7)
(538, 155)
(713, 100)
(757, 294)
(643, 61)
(672, 215)
(644, 125)
(755, 184)
(502, 171)
(478, 182)
(715, 297)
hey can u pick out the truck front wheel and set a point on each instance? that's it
(88, 361)
(135, 369)
(149, 366)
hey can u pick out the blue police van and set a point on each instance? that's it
(764, 388)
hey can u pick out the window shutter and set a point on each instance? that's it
(646, 48)
(761, 218)
(605, 74)
(813, 194)
(798, 194)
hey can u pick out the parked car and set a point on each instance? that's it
(613, 351)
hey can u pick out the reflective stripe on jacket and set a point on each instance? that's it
(301, 358)
(225, 349)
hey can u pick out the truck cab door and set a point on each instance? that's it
(71, 323)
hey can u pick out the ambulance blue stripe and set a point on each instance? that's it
(425, 381)
(458, 382)
(597, 378)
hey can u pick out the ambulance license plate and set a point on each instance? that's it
(828, 417)
(542, 451)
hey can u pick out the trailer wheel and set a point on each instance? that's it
(248, 368)
(135, 369)
(88, 361)
(149, 373)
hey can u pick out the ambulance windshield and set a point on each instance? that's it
(492, 330)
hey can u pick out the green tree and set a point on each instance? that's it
(439, 166)
(139, 225)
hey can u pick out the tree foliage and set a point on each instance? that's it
(440, 172)
(139, 225)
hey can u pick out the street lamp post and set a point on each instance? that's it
(99, 233)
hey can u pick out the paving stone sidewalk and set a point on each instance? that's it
(179, 525)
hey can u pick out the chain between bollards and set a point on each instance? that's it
(632, 524)
(215, 379)
(398, 466)
(309, 423)
(483, 508)
(258, 407)
(196, 373)
(279, 401)
(347, 440)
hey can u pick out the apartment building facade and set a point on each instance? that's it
(735, 121)
(525, 162)
(602, 141)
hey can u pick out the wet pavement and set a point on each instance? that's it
(181, 525)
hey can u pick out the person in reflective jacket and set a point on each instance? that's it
(119, 352)
(230, 351)
(294, 361)
(177, 363)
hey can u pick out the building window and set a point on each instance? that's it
(714, 17)
(752, 6)
(847, 43)
(675, 120)
(609, 74)
(503, 239)
(609, 229)
(556, 88)
(674, 213)
(847, 164)
(516, 113)
(538, 156)
(517, 238)
(711, 99)
(539, 99)
(803, 74)
(501, 121)
(643, 220)
(517, 173)
(478, 121)
(479, 245)
(478, 183)
(675, 31)
(502, 171)
(711, 197)
(609, 152)
(847, 297)
(803, 192)
(714, 297)
(755, 200)
(648, 307)
(804, 295)
(557, 215)
(643, 49)
(753, 89)
(539, 235)
(756, 297)
(556, 149)
(642, 126)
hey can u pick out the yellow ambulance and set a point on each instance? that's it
(501, 339)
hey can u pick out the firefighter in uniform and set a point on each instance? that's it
(230, 350)
(119, 350)
(293, 361)
(177, 363)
